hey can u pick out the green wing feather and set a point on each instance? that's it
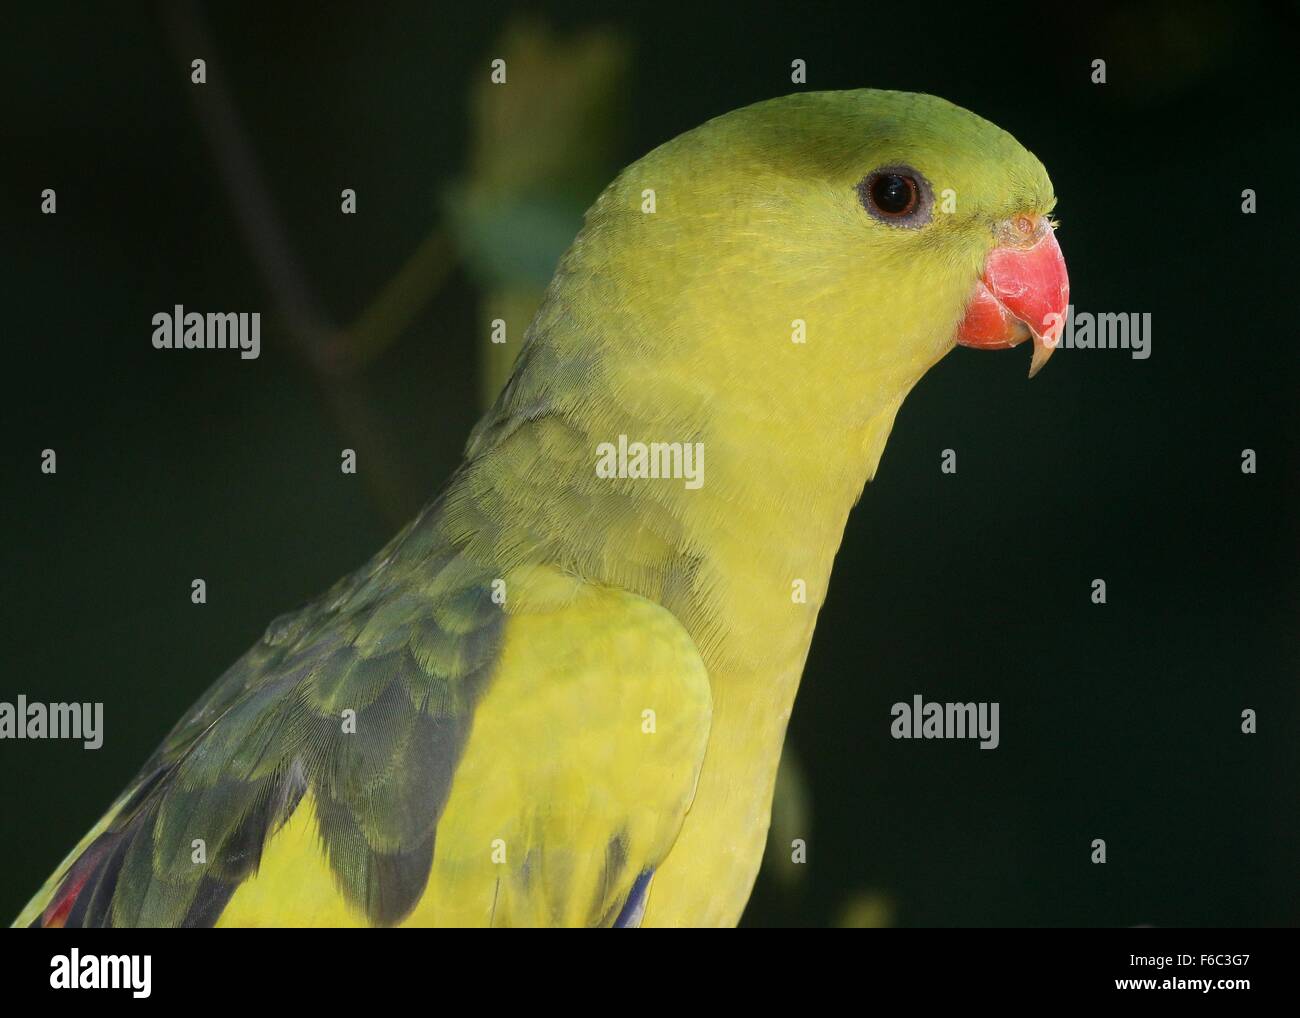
(407, 643)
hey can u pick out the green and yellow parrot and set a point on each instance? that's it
(559, 695)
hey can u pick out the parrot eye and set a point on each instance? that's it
(896, 195)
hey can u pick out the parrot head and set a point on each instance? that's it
(874, 229)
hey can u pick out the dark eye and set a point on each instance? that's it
(897, 195)
(893, 194)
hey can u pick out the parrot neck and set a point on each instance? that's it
(735, 532)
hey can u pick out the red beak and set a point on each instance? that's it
(1023, 292)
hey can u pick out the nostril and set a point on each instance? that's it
(1023, 229)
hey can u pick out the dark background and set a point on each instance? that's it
(1119, 721)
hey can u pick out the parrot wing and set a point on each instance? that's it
(407, 749)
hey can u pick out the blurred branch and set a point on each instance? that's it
(541, 148)
(308, 326)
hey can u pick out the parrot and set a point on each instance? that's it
(559, 695)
